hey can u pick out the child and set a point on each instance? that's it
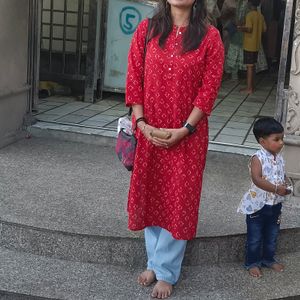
(262, 203)
(253, 29)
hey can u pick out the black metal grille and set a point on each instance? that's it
(64, 39)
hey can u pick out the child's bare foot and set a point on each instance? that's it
(277, 267)
(146, 278)
(162, 290)
(255, 272)
(246, 91)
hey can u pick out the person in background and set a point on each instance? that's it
(235, 56)
(213, 12)
(263, 202)
(227, 18)
(252, 30)
(172, 83)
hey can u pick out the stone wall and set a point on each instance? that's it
(13, 68)
(292, 141)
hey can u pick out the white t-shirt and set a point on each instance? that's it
(273, 171)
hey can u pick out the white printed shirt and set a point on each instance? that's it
(273, 171)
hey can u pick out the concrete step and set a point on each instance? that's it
(118, 250)
(17, 296)
(25, 275)
(74, 133)
(68, 200)
(107, 136)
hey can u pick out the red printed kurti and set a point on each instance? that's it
(166, 183)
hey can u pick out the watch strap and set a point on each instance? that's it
(189, 127)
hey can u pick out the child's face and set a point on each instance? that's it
(273, 143)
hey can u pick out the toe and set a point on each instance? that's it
(255, 272)
(154, 294)
(141, 281)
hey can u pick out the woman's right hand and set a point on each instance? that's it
(147, 130)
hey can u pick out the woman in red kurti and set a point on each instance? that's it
(172, 88)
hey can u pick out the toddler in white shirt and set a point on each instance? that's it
(263, 202)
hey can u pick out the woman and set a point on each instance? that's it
(227, 17)
(213, 12)
(235, 55)
(173, 88)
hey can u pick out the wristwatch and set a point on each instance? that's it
(189, 127)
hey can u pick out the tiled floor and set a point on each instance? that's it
(230, 123)
(66, 110)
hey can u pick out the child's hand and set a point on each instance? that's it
(282, 190)
(288, 191)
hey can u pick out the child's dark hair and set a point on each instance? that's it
(255, 3)
(266, 126)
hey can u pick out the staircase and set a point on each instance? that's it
(63, 229)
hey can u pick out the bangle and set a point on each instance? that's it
(140, 120)
(276, 187)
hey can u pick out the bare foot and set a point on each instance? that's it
(246, 91)
(277, 267)
(255, 272)
(146, 278)
(162, 290)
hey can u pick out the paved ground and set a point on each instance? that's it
(231, 121)
(58, 279)
(83, 188)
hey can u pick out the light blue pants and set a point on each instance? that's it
(165, 254)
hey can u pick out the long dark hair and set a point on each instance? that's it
(162, 25)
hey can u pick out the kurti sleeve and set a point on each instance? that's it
(213, 73)
(135, 70)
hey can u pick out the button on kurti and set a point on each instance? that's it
(166, 183)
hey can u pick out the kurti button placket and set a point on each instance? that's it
(172, 56)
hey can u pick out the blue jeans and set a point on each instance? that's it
(165, 254)
(262, 232)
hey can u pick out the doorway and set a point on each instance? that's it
(234, 113)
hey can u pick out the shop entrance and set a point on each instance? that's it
(234, 113)
(84, 54)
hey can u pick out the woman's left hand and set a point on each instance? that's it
(176, 136)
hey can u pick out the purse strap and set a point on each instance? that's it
(147, 38)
